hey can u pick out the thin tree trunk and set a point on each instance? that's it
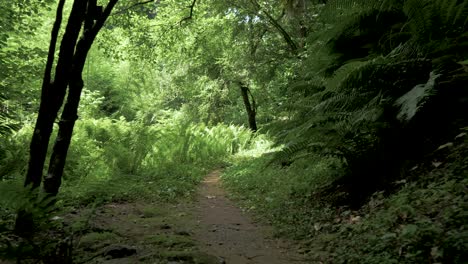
(37, 149)
(250, 108)
(53, 179)
(53, 93)
(67, 72)
(51, 100)
(69, 116)
(287, 38)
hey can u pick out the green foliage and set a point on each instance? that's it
(115, 160)
(277, 190)
(412, 101)
(23, 48)
(421, 221)
(371, 89)
(384, 93)
(96, 240)
(51, 245)
(374, 92)
(7, 125)
(425, 219)
(16, 197)
(14, 153)
(118, 159)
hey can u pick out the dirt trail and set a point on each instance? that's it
(209, 230)
(225, 231)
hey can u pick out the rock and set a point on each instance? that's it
(118, 251)
(165, 226)
(183, 233)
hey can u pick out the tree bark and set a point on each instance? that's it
(53, 94)
(72, 57)
(53, 179)
(250, 108)
(42, 131)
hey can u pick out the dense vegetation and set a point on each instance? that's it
(348, 115)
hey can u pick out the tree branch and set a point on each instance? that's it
(292, 45)
(134, 5)
(191, 12)
(105, 14)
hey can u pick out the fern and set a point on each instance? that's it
(413, 100)
(344, 72)
(7, 124)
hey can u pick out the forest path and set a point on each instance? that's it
(227, 232)
(209, 229)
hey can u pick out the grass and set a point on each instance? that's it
(97, 240)
(422, 219)
(118, 161)
(272, 189)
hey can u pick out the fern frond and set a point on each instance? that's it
(7, 124)
(303, 149)
(308, 87)
(409, 49)
(346, 101)
(452, 13)
(344, 72)
(413, 100)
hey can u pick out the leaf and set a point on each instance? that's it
(388, 236)
(409, 230)
(412, 101)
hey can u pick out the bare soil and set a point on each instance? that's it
(229, 233)
(209, 230)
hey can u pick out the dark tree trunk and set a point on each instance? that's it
(69, 116)
(52, 93)
(53, 179)
(67, 74)
(250, 108)
(51, 100)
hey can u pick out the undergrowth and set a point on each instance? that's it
(421, 219)
(111, 160)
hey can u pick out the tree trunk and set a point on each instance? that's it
(250, 108)
(53, 179)
(52, 96)
(67, 73)
(69, 116)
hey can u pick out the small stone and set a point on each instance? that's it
(165, 226)
(183, 233)
(118, 251)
